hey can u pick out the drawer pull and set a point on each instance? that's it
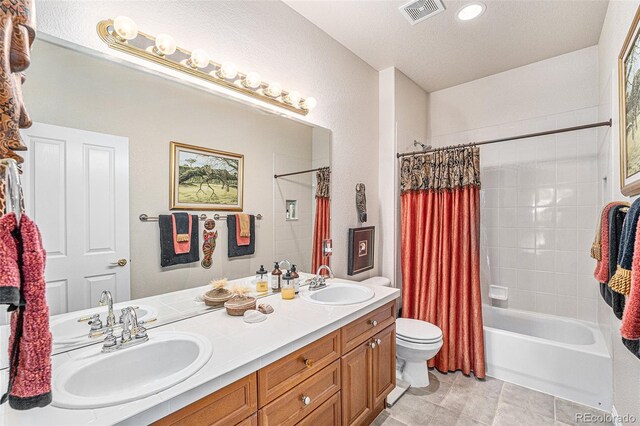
(378, 341)
(306, 400)
(308, 362)
(372, 345)
(374, 323)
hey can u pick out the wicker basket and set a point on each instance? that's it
(239, 305)
(217, 297)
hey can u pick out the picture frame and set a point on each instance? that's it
(361, 249)
(629, 110)
(205, 179)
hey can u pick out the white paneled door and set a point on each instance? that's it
(76, 187)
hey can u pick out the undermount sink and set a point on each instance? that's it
(105, 379)
(66, 330)
(337, 293)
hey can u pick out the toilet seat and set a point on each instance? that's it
(417, 332)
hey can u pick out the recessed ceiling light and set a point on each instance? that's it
(471, 11)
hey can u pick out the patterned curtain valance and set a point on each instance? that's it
(441, 170)
(323, 177)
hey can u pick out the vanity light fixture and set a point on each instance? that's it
(124, 29)
(122, 34)
(252, 80)
(471, 11)
(165, 45)
(228, 70)
(199, 59)
(292, 98)
(273, 90)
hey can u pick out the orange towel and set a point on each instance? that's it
(181, 242)
(245, 229)
(242, 240)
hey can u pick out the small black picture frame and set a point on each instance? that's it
(361, 249)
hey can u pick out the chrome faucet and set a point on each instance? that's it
(319, 281)
(107, 299)
(133, 333)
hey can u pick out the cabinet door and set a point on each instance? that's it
(357, 401)
(384, 364)
(328, 414)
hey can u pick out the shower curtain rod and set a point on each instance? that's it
(300, 172)
(511, 138)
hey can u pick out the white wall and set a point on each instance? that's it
(626, 367)
(538, 197)
(282, 46)
(553, 86)
(403, 119)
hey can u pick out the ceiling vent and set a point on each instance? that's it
(418, 10)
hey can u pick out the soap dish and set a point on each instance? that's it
(216, 297)
(238, 305)
(251, 316)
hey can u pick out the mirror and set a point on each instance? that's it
(100, 156)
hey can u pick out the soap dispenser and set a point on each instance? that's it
(276, 278)
(288, 290)
(262, 280)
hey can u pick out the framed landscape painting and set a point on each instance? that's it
(629, 107)
(205, 179)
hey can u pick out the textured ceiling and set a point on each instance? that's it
(441, 51)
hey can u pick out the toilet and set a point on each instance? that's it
(416, 343)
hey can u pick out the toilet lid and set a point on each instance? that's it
(417, 331)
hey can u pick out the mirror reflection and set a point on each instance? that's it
(115, 150)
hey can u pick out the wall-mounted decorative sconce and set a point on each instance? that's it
(122, 34)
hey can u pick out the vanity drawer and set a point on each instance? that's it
(328, 414)
(290, 408)
(280, 376)
(364, 328)
(229, 406)
(249, 421)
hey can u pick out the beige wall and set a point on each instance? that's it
(626, 367)
(71, 89)
(271, 38)
(403, 117)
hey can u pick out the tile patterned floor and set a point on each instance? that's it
(456, 399)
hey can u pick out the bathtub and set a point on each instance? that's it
(559, 356)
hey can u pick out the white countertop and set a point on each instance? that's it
(239, 349)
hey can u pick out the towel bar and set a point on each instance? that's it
(219, 217)
(146, 218)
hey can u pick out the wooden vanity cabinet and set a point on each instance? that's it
(368, 375)
(342, 378)
(234, 404)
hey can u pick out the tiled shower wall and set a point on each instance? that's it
(538, 214)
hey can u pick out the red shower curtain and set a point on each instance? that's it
(440, 218)
(321, 232)
(322, 228)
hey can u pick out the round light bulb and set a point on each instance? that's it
(274, 90)
(471, 11)
(252, 80)
(199, 59)
(309, 103)
(165, 45)
(228, 70)
(293, 97)
(125, 28)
